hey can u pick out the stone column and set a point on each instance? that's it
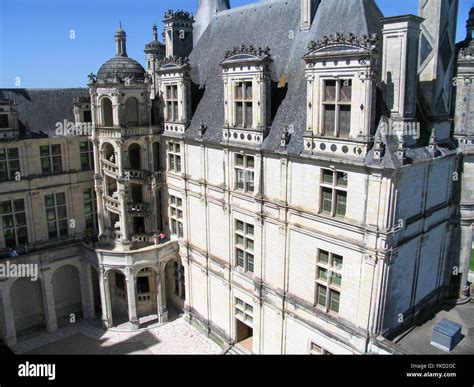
(132, 298)
(465, 259)
(105, 299)
(161, 309)
(87, 293)
(48, 301)
(9, 318)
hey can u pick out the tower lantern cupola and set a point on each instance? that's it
(121, 42)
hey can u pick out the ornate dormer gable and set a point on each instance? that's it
(175, 94)
(247, 100)
(341, 91)
(8, 120)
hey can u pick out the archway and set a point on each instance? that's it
(67, 294)
(96, 290)
(27, 304)
(108, 152)
(118, 297)
(131, 111)
(175, 287)
(134, 157)
(107, 113)
(146, 292)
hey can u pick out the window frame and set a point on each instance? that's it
(174, 157)
(245, 262)
(244, 180)
(337, 103)
(245, 101)
(93, 202)
(171, 102)
(335, 189)
(57, 220)
(176, 220)
(6, 161)
(331, 289)
(52, 159)
(15, 227)
(88, 153)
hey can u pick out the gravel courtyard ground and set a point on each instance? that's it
(176, 337)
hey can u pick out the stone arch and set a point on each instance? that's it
(134, 156)
(146, 291)
(27, 303)
(175, 285)
(118, 295)
(108, 151)
(106, 108)
(131, 111)
(67, 291)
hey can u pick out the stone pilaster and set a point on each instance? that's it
(9, 318)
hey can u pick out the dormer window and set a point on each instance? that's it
(247, 95)
(341, 92)
(243, 105)
(337, 107)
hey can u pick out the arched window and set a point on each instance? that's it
(107, 113)
(134, 157)
(108, 152)
(131, 111)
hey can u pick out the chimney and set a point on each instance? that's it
(206, 11)
(178, 33)
(399, 69)
(437, 60)
(308, 10)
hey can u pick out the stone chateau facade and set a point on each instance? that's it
(310, 164)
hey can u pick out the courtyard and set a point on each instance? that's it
(84, 338)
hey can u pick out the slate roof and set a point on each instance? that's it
(122, 67)
(40, 109)
(271, 23)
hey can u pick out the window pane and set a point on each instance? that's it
(336, 279)
(329, 119)
(342, 179)
(329, 91)
(239, 114)
(321, 295)
(240, 258)
(3, 171)
(250, 229)
(327, 200)
(239, 91)
(239, 239)
(19, 205)
(248, 115)
(250, 244)
(250, 162)
(250, 263)
(5, 207)
(240, 179)
(178, 164)
(49, 200)
(56, 149)
(344, 120)
(45, 165)
(337, 261)
(240, 225)
(52, 232)
(346, 90)
(323, 256)
(7, 221)
(62, 212)
(334, 301)
(239, 160)
(13, 153)
(328, 177)
(248, 91)
(2, 154)
(20, 219)
(63, 227)
(250, 182)
(322, 274)
(341, 198)
(87, 194)
(50, 214)
(44, 150)
(60, 198)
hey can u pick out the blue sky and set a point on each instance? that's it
(36, 49)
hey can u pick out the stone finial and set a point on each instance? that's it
(433, 146)
(367, 42)
(285, 137)
(262, 53)
(202, 129)
(379, 149)
(402, 151)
